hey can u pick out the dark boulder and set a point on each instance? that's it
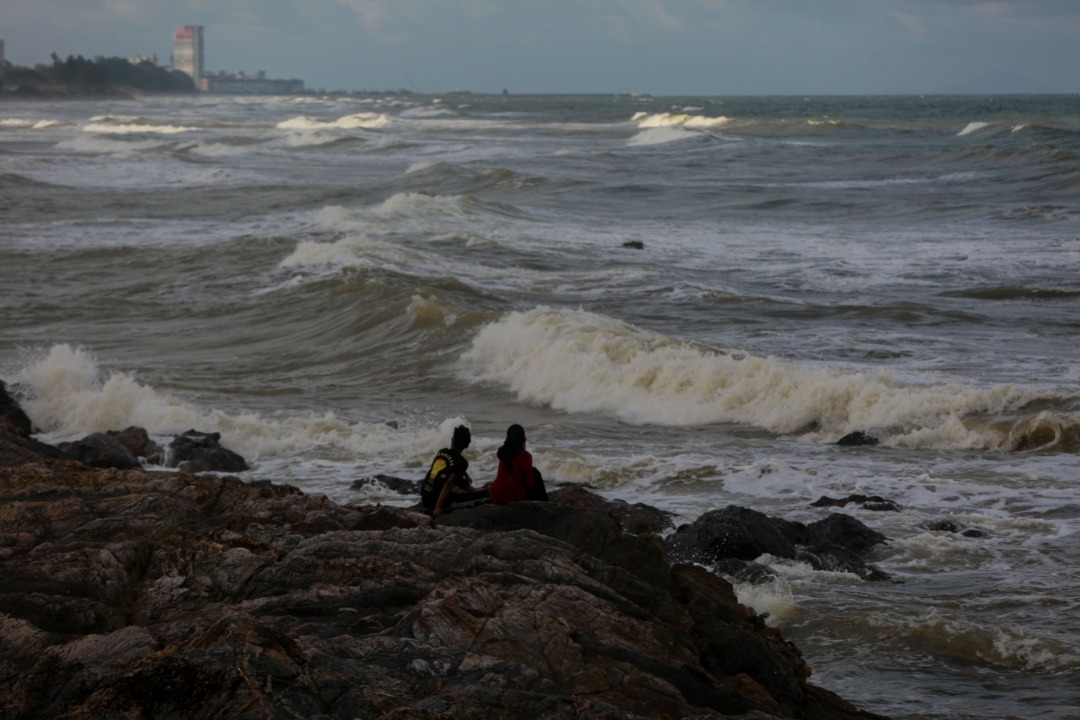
(101, 450)
(858, 438)
(634, 518)
(138, 441)
(836, 543)
(867, 502)
(197, 452)
(12, 414)
(394, 484)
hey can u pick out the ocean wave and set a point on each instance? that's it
(22, 123)
(582, 362)
(109, 145)
(660, 136)
(67, 394)
(357, 121)
(685, 120)
(1005, 647)
(136, 129)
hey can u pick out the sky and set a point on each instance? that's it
(662, 47)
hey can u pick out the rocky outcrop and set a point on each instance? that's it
(133, 594)
(136, 594)
(196, 451)
(729, 538)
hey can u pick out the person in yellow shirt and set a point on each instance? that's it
(447, 485)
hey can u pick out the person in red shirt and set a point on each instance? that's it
(516, 478)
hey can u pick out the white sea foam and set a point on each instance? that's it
(581, 362)
(421, 166)
(960, 638)
(357, 121)
(660, 136)
(136, 129)
(973, 127)
(68, 394)
(31, 124)
(97, 144)
(698, 122)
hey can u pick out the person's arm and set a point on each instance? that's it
(442, 495)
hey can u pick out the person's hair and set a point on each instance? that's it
(515, 443)
(462, 437)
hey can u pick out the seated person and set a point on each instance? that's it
(516, 478)
(447, 484)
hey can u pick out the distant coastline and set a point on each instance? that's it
(80, 78)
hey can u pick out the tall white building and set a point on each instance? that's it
(188, 51)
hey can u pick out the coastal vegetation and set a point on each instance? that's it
(77, 76)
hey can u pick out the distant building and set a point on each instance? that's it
(188, 51)
(1, 51)
(241, 84)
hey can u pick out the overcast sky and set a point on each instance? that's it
(663, 47)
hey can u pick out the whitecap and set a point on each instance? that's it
(581, 362)
(659, 136)
(973, 127)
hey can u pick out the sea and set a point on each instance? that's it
(686, 301)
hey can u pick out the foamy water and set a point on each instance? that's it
(686, 302)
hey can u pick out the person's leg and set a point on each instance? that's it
(456, 501)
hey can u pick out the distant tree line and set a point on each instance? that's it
(79, 76)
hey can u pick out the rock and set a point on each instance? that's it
(634, 245)
(394, 484)
(868, 502)
(101, 450)
(951, 526)
(636, 518)
(17, 449)
(13, 414)
(836, 543)
(132, 594)
(138, 441)
(857, 438)
(196, 452)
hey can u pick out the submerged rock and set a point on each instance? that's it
(867, 502)
(858, 438)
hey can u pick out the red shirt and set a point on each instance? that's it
(510, 485)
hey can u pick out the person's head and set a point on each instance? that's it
(462, 438)
(515, 437)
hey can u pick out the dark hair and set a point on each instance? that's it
(515, 443)
(462, 437)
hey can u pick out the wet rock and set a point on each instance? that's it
(634, 518)
(101, 450)
(12, 414)
(132, 594)
(951, 526)
(394, 484)
(634, 245)
(196, 452)
(745, 571)
(867, 502)
(858, 438)
(138, 441)
(836, 543)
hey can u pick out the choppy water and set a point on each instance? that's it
(334, 283)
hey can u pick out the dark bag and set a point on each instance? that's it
(537, 491)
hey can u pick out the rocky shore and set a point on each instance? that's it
(130, 593)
